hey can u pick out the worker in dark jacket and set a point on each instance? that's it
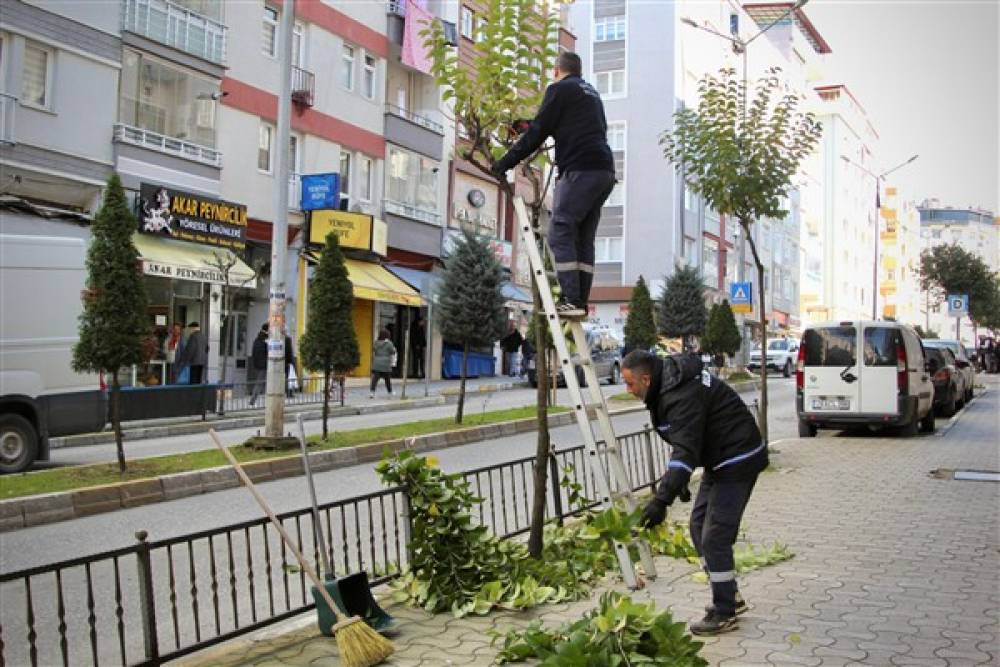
(707, 425)
(571, 113)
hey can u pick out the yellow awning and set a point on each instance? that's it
(373, 283)
(181, 260)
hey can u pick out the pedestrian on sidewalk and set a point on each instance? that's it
(511, 344)
(258, 365)
(527, 354)
(291, 376)
(707, 425)
(418, 345)
(571, 113)
(194, 356)
(172, 349)
(382, 355)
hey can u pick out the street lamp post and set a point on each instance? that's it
(878, 187)
(740, 48)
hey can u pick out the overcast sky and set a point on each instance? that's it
(928, 73)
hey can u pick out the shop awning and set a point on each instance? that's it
(425, 282)
(181, 260)
(373, 283)
(512, 292)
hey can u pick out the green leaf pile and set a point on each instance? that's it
(618, 632)
(749, 557)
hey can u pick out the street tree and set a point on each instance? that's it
(682, 311)
(502, 81)
(470, 309)
(329, 343)
(926, 335)
(640, 325)
(951, 269)
(113, 326)
(722, 336)
(740, 155)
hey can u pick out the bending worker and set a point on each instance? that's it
(572, 113)
(707, 425)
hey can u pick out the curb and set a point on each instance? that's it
(67, 505)
(953, 420)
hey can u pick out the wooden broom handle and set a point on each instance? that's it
(277, 524)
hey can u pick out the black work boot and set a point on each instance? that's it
(714, 623)
(741, 605)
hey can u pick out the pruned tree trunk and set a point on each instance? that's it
(326, 398)
(116, 421)
(342, 381)
(543, 443)
(406, 354)
(762, 416)
(461, 386)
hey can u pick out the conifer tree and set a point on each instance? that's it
(113, 326)
(330, 344)
(470, 310)
(682, 306)
(640, 325)
(722, 336)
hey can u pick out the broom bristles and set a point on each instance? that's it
(359, 645)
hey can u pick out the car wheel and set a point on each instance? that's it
(18, 443)
(948, 407)
(616, 374)
(807, 430)
(788, 369)
(960, 399)
(972, 391)
(927, 424)
(909, 430)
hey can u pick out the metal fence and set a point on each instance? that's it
(242, 396)
(160, 600)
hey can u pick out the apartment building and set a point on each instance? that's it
(900, 296)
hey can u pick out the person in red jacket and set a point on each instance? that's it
(709, 426)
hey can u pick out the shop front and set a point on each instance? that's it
(381, 299)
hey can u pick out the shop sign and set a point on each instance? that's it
(503, 250)
(209, 274)
(190, 217)
(475, 205)
(353, 230)
(320, 191)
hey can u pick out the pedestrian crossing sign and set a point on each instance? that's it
(741, 297)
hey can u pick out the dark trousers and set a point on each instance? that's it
(418, 361)
(715, 524)
(579, 196)
(195, 374)
(378, 375)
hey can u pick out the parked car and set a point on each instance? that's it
(605, 352)
(781, 356)
(962, 362)
(863, 373)
(949, 381)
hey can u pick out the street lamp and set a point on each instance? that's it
(878, 186)
(740, 48)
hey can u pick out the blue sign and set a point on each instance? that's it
(320, 191)
(741, 297)
(958, 305)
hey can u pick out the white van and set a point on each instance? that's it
(887, 384)
(41, 278)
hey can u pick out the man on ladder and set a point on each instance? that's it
(573, 114)
(707, 425)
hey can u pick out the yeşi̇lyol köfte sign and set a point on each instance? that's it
(190, 217)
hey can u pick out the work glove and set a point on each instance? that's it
(673, 485)
(654, 513)
(520, 126)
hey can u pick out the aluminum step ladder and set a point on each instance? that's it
(616, 490)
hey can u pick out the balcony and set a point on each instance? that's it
(887, 287)
(136, 136)
(410, 211)
(178, 27)
(303, 86)
(414, 131)
(396, 7)
(8, 106)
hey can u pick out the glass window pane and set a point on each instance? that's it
(270, 31)
(345, 175)
(35, 75)
(347, 68)
(264, 148)
(366, 179)
(831, 346)
(880, 346)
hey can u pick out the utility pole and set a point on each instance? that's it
(274, 413)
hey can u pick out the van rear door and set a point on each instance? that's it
(880, 349)
(832, 382)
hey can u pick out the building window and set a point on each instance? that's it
(608, 249)
(36, 78)
(264, 148)
(293, 155)
(368, 77)
(345, 179)
(609, 28)
(690, 251)
(412, 180)
(468, 19)
(710, 262)
(616, 135)
(365, 178)
(347, 68)
(610, 84)
(269, 45)
(298, 45)
(480, 31)
(166, 99)
(617, 196)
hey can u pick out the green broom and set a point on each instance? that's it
(359, 645)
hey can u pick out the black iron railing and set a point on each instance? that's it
(160, 600)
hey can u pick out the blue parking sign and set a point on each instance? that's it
(741, 297)
(958, 305)
(320, 191)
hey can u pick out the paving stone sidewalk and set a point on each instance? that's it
(893, 567)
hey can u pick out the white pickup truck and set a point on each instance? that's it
(781, 356)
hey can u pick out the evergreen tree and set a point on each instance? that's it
(640, 325)
(722, 336)
(682, 307)
(470, 310)
(329, 343)
(113, 327)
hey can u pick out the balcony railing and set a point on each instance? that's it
(410, 211)
(136, 136)
(303, 86)
(422, 121)
(397, 7)
(177, 26)
(8, 106)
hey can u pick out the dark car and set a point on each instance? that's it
(605, 352)
(962, 363)
(949, 383)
